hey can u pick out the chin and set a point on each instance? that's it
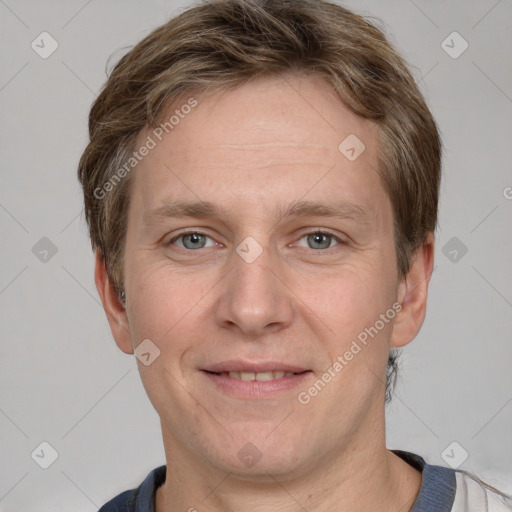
(261, 460)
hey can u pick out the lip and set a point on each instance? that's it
(239, 365)
(256, 389)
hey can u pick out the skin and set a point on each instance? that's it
(253, 151)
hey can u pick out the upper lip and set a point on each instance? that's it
(253, 367)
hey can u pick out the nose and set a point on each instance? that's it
(254, 299)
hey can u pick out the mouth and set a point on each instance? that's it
(258, 376)
(247, 380)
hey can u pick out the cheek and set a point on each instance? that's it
(163, 303)
(357, 338)
(350, 300)
(164, 308)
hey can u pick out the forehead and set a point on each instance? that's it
(271, 140)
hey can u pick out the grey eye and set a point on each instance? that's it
(319, 240)
(193, 241)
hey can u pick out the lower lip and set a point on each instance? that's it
(256, 389)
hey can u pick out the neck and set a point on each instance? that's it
(364, 477)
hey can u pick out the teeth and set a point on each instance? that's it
(269, 375)
(261, 376)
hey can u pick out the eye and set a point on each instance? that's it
(320, 240)
(192, 240)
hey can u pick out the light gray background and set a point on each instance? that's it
(62, 378)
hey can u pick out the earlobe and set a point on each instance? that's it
(112, 305)
(412, 294)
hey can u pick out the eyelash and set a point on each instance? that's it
(316, 232)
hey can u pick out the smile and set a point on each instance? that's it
(257, 385)
(260, 376)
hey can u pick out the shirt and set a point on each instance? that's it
(442, 490)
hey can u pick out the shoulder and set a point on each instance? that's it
(474, 494)
(124, 502)
(140, 499)
(438, 484)
(448, 490)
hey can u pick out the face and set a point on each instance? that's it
(258, 251)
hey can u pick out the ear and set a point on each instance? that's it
(114, 308)
(412, 294)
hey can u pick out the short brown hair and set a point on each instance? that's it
(223, 44)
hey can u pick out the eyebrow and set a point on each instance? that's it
(203, 209)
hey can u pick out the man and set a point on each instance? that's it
(261, 188)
